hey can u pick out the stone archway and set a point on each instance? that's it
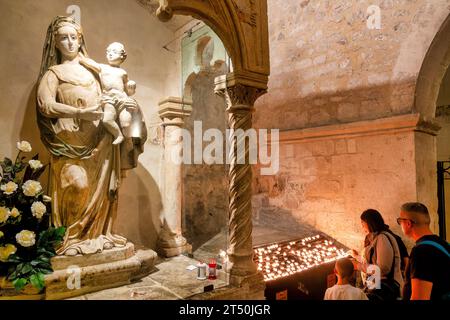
(242, 25)
(432, 72)
(434, 66)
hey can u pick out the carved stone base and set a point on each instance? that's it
(109, 269)
(7, 292)
(81, 274)
(172, 252)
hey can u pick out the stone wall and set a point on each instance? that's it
(329, 73)
(328, 67)
(24, 24)
(328, 182)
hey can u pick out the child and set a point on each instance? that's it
(116, 91)
(343, 290)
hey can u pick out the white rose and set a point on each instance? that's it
(24, 146)
(31, 188)
(15, 213)
(6, 251)
(38, 209)
(46, 199)
(35, 164)
(26, 238)
(9, 188)
(4, 214)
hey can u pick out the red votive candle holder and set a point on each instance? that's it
(212, 269)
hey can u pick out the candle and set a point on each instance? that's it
(201, 271)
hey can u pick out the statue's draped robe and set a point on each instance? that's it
(85, 168)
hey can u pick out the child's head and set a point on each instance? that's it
(115, 53)
(344, 268)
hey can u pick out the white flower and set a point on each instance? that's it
(35, 164)
(24, 146)
(46, 198)
(9, 188)
(38, 209)
(26, 238)
(4, 214)
(6, 251)
(31, 188)
(15, 213)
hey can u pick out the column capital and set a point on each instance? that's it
(241, 89)
(173, 110)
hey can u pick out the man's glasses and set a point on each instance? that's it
(399, 220)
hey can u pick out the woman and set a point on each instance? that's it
(380, 249)
(85, 168)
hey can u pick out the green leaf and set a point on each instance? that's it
(44, 271)
(13, 275)
(60, 232)
(45, 265)
(34, 263)
(27, 268)
(14, 258)
(20, 283)
(7, 162)
(38, 281)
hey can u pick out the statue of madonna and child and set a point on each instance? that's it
(93, 130)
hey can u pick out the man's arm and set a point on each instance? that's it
(421, 289)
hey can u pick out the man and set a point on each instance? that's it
(428, 271)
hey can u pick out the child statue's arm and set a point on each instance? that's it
(130, 85)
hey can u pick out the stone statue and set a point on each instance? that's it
(119, 107)
(85, 164)
(116, 91)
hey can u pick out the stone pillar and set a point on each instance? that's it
(170, 240)
(240, 94)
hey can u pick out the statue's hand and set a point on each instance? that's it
(90, 114)
(131, 87)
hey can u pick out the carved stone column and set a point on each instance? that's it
(170, 240)
(240, 94)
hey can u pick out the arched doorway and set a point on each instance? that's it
(242, 26)
(432, 100)
(443, 156)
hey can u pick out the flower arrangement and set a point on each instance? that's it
(27, 241)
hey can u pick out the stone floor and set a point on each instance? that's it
(172, 280)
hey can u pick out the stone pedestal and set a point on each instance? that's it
(170, 240)
(81, 274)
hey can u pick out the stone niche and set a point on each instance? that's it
(205, 187)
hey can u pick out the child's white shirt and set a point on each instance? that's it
(344, 292)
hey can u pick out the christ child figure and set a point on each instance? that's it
(117, 89)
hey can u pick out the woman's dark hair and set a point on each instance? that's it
(374, 220)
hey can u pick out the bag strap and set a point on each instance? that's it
(391, 273)
(436, 245)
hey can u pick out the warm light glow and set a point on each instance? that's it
(285, 259)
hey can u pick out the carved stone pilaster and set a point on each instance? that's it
(240, 98)
(170, 240)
